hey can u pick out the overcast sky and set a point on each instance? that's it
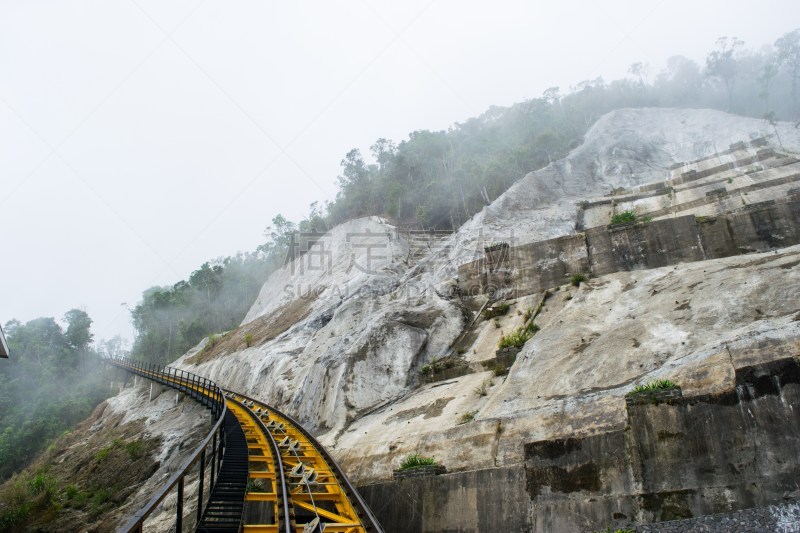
(140, 138)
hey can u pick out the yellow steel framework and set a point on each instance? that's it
(314, 490)
(262, 465)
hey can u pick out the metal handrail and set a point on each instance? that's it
(207, 393)
(359, 502)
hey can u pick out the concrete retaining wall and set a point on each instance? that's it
(689, 457)
(530, 268)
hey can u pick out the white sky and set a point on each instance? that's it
(140, 138)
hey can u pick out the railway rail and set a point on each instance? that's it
(268, 473)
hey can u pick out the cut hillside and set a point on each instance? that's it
(94, 477)
(367, 315)
(373, 314)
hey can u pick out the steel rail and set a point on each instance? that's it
(208, 394)
(283, 495)
(369, 520)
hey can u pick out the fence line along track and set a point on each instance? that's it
(260, 457)
(208, 394)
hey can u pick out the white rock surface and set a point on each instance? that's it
(356, 334)
(349, 367)
(360, 331)
(623, 149)
(690, 323)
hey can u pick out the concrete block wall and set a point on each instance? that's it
(531, 268)
(640, 246)
(689, 457)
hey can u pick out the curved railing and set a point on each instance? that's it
(207, 393)
(211, 395)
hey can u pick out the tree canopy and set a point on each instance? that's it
(439, 179)
(54, 380)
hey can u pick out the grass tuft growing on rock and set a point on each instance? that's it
(624, 217)
(466, 418)
(483, 389)
(577, 279)
(661, 384)
(518, 337)
(414, 460)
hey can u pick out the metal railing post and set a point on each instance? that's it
(179, 512)
(200, 485)
(221, 445)
(213, 460)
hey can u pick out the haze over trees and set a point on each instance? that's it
(216, 297)
(53, 379)
(439, 179)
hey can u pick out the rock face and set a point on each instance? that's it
(337, 332)
(623, 149)
(338, 337)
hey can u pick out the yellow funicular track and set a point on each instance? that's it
(266, 477)
(319, 497)
(294, 484)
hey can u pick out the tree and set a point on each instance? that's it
(78, 334)
(551, 95)
(114, 347)
(768, 71)
(383, 151)
(788, 57)
(45, 391)
(722, 64)
(640, 70)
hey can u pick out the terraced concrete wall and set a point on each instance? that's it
(530, 268)
(640, 246)
(685, 458)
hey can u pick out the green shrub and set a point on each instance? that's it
(213, 340)
(623, 217)
(518, 337)
(414, 460)
(661, 384)
(482, 390)
(499, 370)
(11, 517)
(71, 492)
(248, 339)
(531, 328)
(43, 483)
(426, 369)
(134, 449)
(466, 417)
(103, 453)
(577, 279)
(515, 339)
